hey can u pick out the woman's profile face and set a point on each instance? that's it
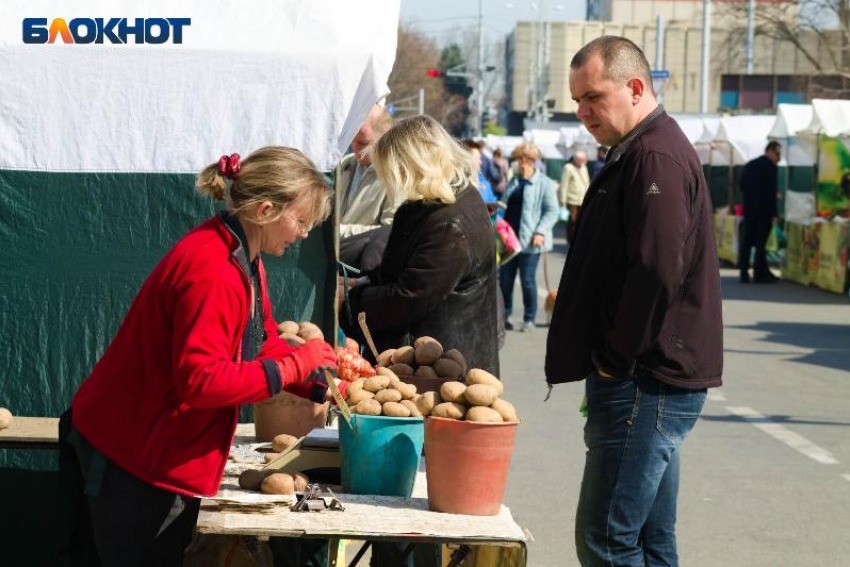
(293, 224)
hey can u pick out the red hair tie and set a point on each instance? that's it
(229, 166)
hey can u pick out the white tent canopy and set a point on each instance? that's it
(829, 117)
(740, 139)
(547, 141)
(504, 143)
(246, 75)
(577, 138)
(791, 120)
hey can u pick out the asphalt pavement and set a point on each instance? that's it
(766, 472)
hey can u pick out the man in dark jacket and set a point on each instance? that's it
(638, 311)
(758, 186)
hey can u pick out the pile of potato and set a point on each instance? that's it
(383, 394)
(477, 400)
(296, 334)
(426, 359)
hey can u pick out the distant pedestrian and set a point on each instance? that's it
(575, 180)
(638, 311)
(759, 182)
(601, 154)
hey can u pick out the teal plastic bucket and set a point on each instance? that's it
(380, 455)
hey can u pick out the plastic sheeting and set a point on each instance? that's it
(282, 72)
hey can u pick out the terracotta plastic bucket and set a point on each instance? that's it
(467, 464)
(290, 414)
(379, 454)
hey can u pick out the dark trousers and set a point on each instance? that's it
(113, 519)
(526, 265)
(627, 506)
(754, 233)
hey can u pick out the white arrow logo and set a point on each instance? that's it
(653, 190)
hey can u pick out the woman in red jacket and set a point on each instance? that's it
(150, 429)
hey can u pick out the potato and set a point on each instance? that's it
(278, 483)
(385, 359)
(414, 411)
(447, 368)
(428, 353)
(251, 479)
(506, 409)
(290, 327)
(455, 356)
(269, 457)
(404, 355)
(395, 409)
(6, 418)
(424, 339)
(381, 371)
(292, 340)
(478, 376)
(282, 442)
(388, 395)
(426, 372)
(376, 383)
(301, 481)
(481, 395)
(407, 390)
(309, 331)
(415, 398)
(359, 396)
(449, 410)
(453, 392)
(427, 401)
(402, 369)
(354, 387)
(369, 407)
(485, 414)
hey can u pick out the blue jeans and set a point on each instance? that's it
(526, 264)
(627, 507)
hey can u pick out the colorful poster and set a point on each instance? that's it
(796, 258)
(832, 257)
(726, 236)
(833, 194)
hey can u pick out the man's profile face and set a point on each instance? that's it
(775, 154)
(363, 138)
(605, 108)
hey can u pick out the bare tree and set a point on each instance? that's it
(416, 54)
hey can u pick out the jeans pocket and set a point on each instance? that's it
(678, 411)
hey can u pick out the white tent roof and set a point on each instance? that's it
(740, 139)
(790, 119)
(829, 117)
(246, 75)
(575, 138)
(694, 128)
(505, 143)
(547, 141)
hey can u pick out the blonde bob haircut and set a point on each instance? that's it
(276, 174)
(420, 160)
(526, 150)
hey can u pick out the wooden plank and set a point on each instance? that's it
(31, 432)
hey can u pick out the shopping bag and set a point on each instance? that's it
(507, 243)
(563, 213)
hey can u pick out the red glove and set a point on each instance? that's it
(300, 363)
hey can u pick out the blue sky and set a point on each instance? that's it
(443, 19)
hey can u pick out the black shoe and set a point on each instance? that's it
(766, 279)
(744, 278)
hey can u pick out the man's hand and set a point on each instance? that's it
(340, 290)
(538, 240)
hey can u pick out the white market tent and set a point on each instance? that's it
(504, 143)
(740, 139)
(791, 119)
(547, 141)
(577, 138)
(704, 143)
(829, 118)
(283, 72)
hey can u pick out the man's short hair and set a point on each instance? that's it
(773, 146)
(621, 59)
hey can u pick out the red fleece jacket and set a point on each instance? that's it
(163, 401)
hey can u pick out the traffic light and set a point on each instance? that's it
(434, 73)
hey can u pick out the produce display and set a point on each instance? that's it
(383, 394)
(296, 334)
(426, 359)
(5, 418)
(351, 365)
(477, 400)
(272, 481)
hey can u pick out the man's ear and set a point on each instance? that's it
(638, 88)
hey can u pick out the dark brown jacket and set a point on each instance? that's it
(437, 278)
(641, 287)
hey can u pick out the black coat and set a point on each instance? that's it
(437, 278)
(640, 291)
(758, 187)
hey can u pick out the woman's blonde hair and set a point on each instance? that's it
(274, 173)
(420, 160)
(527, 150)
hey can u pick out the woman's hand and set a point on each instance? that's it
(538, 240)
(310, 356)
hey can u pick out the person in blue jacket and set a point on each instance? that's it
(531, 210)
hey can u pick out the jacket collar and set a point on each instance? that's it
(617, 151)
(237, 242)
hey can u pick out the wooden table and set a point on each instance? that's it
(31, 433)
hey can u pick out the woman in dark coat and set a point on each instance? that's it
(438, 275)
